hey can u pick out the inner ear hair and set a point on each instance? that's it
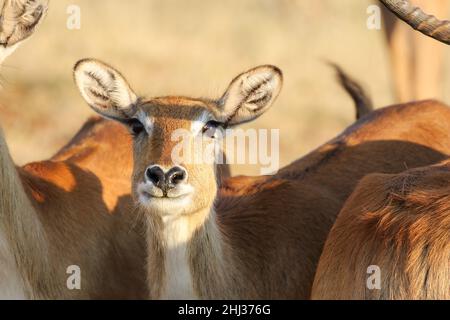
(105, 89)
(19, 18)
(250, 94)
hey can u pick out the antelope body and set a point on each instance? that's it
(398, 223)
(254, 237)
(71, 210)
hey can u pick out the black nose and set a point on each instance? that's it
(168, 180)
(156, 175)
(175, 176)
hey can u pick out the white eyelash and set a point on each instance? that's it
(197, 125)
(146, 120)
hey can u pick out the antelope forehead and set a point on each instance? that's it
(174, 117)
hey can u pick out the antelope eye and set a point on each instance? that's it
(211, 127)
(136, 127)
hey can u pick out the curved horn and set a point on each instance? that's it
(419, 20)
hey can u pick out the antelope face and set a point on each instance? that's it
(164, 179)
(175, 138)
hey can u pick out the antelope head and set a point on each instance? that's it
(162, 182)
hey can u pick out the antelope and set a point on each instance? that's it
(398, 224)
(72, 210)
(253, 237)
(67, 211)
(416, 76)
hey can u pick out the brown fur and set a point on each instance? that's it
(75, 209)
(400, 223)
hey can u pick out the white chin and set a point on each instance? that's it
(165, 205)
(177, 202)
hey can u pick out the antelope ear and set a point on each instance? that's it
(105, 89)
(250, 94)
(19, 18)
(18, 21)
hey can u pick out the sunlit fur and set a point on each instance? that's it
(75, 209)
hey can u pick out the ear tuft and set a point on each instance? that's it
(105, 89)
(250, 94)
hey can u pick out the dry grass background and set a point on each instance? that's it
(195, 48)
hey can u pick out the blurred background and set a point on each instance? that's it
(195, 48)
